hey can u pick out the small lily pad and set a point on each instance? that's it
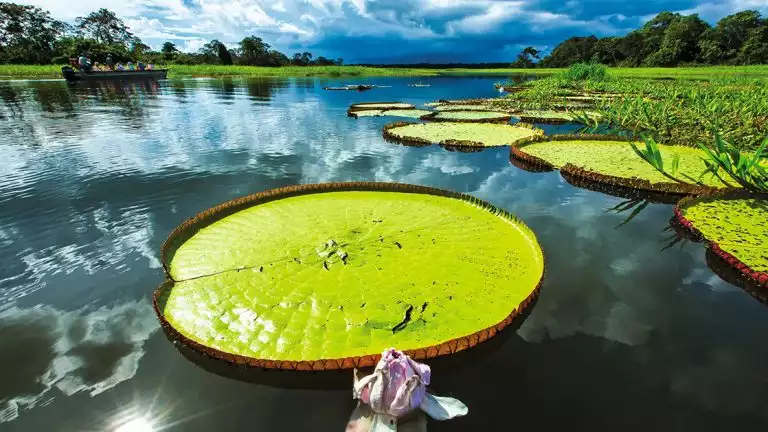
(459, 134)
(469, 116)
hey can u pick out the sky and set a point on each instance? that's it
(391, 31)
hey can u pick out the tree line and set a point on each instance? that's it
(29, 35)
(669, 39)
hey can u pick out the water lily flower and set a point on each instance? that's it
(394, 394)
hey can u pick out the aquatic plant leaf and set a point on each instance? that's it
(380, 106)
(459, 134)
(405, 113)
(335, 274)
(736, 228)
(469, 116)
(617, 158)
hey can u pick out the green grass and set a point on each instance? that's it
(54, 71)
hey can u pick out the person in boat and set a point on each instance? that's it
(150, 66)
(109, 62)
(84, 63)
(120, 67)
(140, 66)
(131, 67)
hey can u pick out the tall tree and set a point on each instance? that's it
(104, 26)
(216, 52)
(680, 43)
(527, 58)
(254, 51)
(726, 39)
(28, 34)
(169, 50)
(573, 50)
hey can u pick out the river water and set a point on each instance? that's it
(627, 334)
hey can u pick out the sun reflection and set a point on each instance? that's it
(139, 424)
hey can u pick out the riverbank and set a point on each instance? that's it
(180, 71)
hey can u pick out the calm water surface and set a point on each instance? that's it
(626, 335)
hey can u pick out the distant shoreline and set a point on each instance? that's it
(12, 72)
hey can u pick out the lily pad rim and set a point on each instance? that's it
(366, 106)
(216, 213)
(517, 152)
(736, 264)
(434, 117)
(422, 142)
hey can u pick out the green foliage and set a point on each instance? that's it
(573, 50)
(672, 39)
(527, 58)
(746, 170)
(28, 34)
(105, 27)
(585, 71)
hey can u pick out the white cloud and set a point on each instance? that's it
(70, 352)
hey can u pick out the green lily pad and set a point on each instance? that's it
(547, 116)
(736, 228)
(459, 134)
(328, 276)
(614, 159)
(380, 106)
(469, 116)
(463, 107)
(406, 113)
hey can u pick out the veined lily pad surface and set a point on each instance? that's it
(545, 116)
(324, 277)
(617, 159)
(471, 116)
(735, 228)
(460, 134)
(463, 107)
(406, 113)
(380, 106)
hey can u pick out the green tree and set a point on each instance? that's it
(571, 51)
(105, 27)
(680, 43)
(607, 51)
(216, 52)
(527, 58)
(755, 48)
(28, 34)
(254, 51)
(169, 50)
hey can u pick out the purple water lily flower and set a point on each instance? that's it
(396, 389)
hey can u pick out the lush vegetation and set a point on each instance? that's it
(682, 111)
(669, 39)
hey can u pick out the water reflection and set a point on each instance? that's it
(95, 177)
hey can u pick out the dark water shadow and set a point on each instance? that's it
(341, 379)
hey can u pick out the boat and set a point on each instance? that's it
(72, 75)
(418, 85)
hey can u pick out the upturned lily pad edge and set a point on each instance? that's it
(189, 227)
(434, 117)
(758, 278)
(368, 106)
(422, 142)
(669, 188)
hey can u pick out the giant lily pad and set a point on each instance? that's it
(327, 276)
(407, 113)
(468, 116)
(736, 229)
(550, 117)
(459, 134)
(380, 106)
(611, 160)
(463, 107)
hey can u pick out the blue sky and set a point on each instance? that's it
(391, 31)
